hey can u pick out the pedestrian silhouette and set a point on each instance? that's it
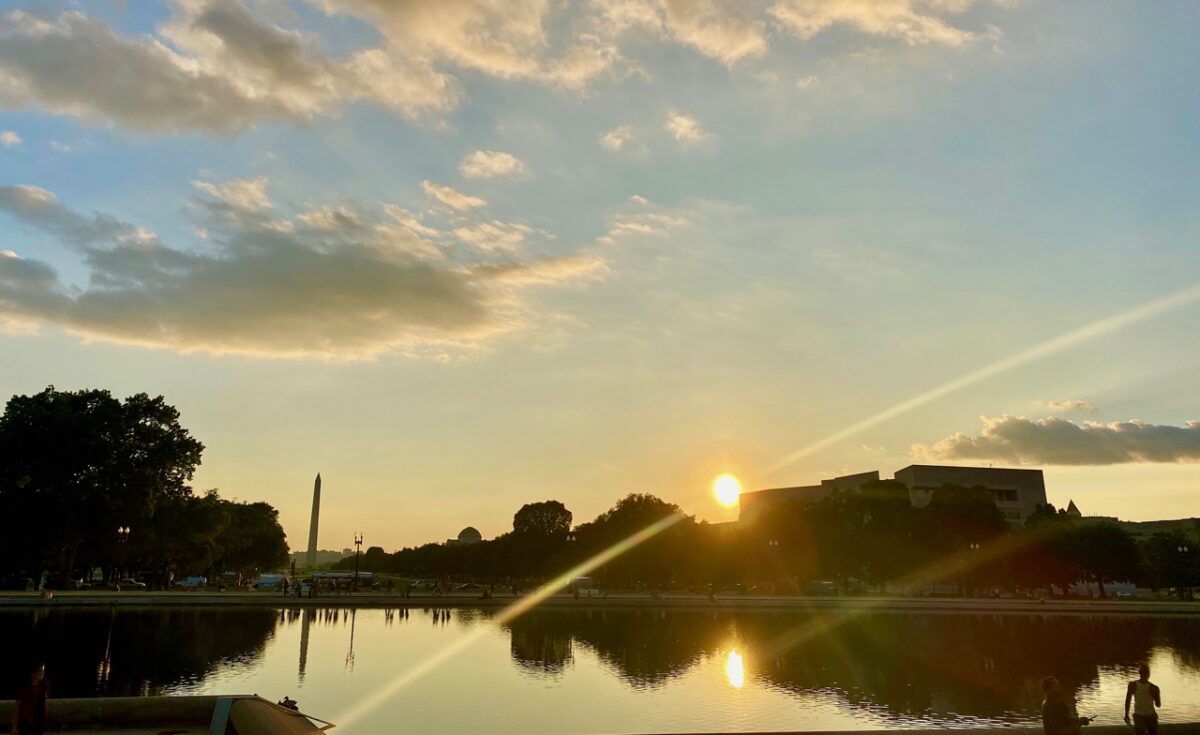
(1146, 696)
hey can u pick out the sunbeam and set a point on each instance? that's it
(1095, 330)
(365, 705)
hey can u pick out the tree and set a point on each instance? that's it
(1169, 560)
(1106, 553)
(962, 526)
(547, 519)
(657, 558)
(251, 540)
(76, 465)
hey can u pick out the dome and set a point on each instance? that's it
(469, 536)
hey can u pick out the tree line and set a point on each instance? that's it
(869, 540)
(88, 481)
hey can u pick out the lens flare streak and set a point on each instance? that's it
(526, 603)
(1053, 346)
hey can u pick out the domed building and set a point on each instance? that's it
(469, 535)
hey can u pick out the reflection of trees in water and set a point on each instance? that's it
(1182, 637)
(941, 664)
(898, 665)
(541, 642)
(645, 648)
(148, 649)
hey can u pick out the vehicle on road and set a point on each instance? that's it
(192, 583)
(269, 582)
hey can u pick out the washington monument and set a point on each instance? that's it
(312, 528)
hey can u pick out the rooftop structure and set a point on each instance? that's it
(1016, 492)
(469, 535)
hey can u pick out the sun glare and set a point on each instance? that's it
(735, 670)
(726, 489)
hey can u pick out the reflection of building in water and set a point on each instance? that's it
(1016, 492)
(305, 621)
(468, 535)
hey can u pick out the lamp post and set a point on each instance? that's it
(1185, 591)
(972, 547)
(122, 540)
(358, 539)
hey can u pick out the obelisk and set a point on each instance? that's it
(312, 528)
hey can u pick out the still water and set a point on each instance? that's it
(616, 671)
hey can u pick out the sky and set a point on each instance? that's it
(464, 255)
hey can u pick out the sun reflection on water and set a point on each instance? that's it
(735, 669)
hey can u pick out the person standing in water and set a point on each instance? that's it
(1145, 696)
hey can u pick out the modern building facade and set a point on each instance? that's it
(1016, 492)
(749, 503)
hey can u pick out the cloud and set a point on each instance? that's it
(507, 40)
(451, 197)
(214, 67)
(807, 81)
(911, 21)
(1058, 441)
(620, 138)
(685, 129)
(9, 139)
(247, 195)
(494, 236)
(490, 164)
(643, 218)
(715, 28)
(339, 281)
(1071, 405)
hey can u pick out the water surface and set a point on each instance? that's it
(618, 671)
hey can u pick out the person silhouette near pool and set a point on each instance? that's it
(1146, 696)
(29, 714)
(1058, 710)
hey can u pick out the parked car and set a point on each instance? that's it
(269, 582)
(192, 583)
(469, 587)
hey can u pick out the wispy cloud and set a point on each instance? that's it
(643, 218)
(341, 282)
(619, 139)
(1068, 405)
(452, 197)
(1059, 441)
(911, 21)
(685, 128)
(490, 164)
(9, 139)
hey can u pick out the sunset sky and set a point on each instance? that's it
(462, 255)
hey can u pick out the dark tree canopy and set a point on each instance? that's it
(547, 519)
(77, 465)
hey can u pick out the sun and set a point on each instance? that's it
(726, 489)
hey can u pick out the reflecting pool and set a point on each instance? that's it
(613, 671)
